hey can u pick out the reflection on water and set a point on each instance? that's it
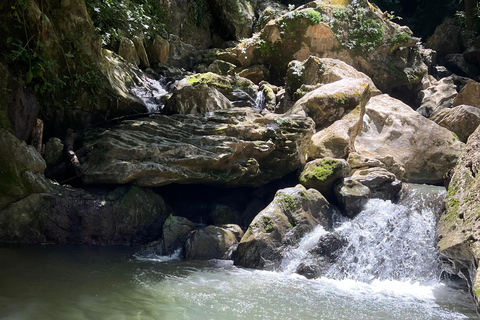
(81, 282)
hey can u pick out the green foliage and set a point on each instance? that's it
(57, 77)
(357, 28)
(268, 224)
(200, 11)
(288, 202)
(400, 38)
(134, 17)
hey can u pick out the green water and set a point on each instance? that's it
(82, 282)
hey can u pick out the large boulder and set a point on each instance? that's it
(424, 149)
(292, 213)
(332, 101)
(352, 196)
(459, 226)
(438, 96)
(207, 92)
(457, 64)
(335, 140)
(125, 216)
(231, 147)
(352, 31)
(318, 71)
(209, 243)
(461, 120)
(174, 228)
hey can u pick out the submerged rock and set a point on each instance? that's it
(234, 147)
(424, 149)
(321, 257)
(209, 243)
(292, 213)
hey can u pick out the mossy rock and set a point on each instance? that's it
(321, 174)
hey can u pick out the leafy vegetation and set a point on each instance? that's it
(58, 77)
(357, 28)
(111, 18)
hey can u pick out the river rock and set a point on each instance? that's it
(437, 97)
(469, 95)
(334, 140)
(256, 73)
(158, 50)
(22, 169)
(234, 147)
(462, 120)
(126, 216)
(456, 63)
(292, 213)
(315, 70)
(235, 229)
(321, 257)
(352, 196)
(321, 174)
(221, 67)
(382, 183)
(391, 128)
(206, 92)
(141, 52)
(209, 243)
(459, 226)
(332, 101)
(388, 53)
(222, 214)
(174, 230)
(53, 151)
(127, 51)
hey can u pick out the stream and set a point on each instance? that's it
(388, 270)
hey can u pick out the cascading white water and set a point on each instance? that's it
(150, 91)
(260, 100)
(294, 257)
(386, 241)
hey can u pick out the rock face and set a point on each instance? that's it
(21, 172)
(462, 120)
(238, 16)
(126, 216)
(458, 228)
(391, 128)
(292, 213)
(446, 39)
(351, 31)
(209, 243)
(231, 147)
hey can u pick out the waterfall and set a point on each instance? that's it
(386, 241)
(260, 101)
(150, 91)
